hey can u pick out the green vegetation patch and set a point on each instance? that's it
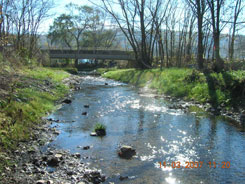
(104, 70)
(28, 102)
(99, 127)
(41, 73)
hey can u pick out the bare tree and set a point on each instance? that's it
(136, 21)
(199, 9)
(22, 19)
(237, 12)
(5, 12)
(215, 7)
(185, 36)
(159, 14)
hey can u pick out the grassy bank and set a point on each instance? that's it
(26, 95)
(225, 89)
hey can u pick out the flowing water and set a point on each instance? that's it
(159, 134)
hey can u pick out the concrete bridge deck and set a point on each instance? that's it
(91, 54)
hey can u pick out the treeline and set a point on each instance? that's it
(151, 25)
(19, 24)
(162, 33)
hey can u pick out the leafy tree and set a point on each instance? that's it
(82, 26)
(58, 32)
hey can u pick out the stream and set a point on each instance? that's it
(191, 148)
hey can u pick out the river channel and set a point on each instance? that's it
(158, 133)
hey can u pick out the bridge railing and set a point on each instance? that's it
(88, 48)
(111, 52)
(91, 54)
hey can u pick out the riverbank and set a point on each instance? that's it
(27, 95)
(223, 92)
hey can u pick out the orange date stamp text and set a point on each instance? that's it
(195, 164)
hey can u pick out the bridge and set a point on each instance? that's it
(90, 54)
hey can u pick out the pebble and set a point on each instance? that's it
(93, 134)
(86, 147)
(86, 106)
(41, 182)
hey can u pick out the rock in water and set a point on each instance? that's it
(86, 147)
(86, 106)
(93, 134)
(106, 84)
(67, 101)
(84, 113)
(121, 178)
(242, 118)
(126, 152)
(101, 132)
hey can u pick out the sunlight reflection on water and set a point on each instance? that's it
(155, 131)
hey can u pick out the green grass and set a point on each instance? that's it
(25, 107)
(104, 70)
(69, 69)
(99, 127)
(216, 88)
(28, 104)
(56, 75)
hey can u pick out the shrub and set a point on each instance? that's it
(100, 129)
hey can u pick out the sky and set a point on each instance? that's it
(58, 9)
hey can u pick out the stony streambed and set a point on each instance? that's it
(126, 112)
(158, 127)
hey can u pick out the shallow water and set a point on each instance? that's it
(159, 134)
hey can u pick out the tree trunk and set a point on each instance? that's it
(219, 63)
(76, 63)
(200, 45)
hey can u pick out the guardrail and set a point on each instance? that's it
(88, 48)
(91, 54)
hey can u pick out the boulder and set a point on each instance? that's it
(86, 106)
(55, 160)
(94, 176)
(121, 178)
(58, 156)
(67, 101)
(100, 132)
(69, 173)
(93, 134)
(77, 155)
(106, 84)
(126, 152)
(86, 147)
(242, 118)
(84, 113)
(41, 182)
